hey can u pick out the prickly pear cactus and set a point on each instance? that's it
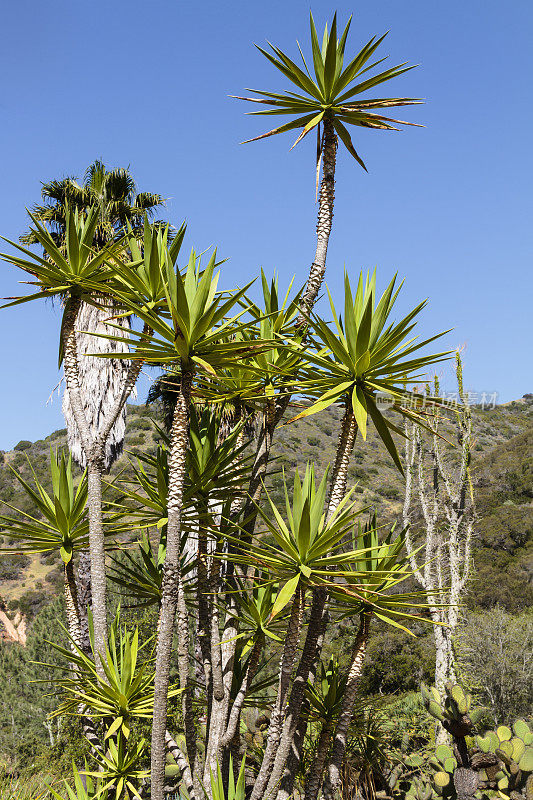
(512, 749)
(497, 764)
(455, 711)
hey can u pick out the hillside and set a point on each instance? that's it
(501, 468)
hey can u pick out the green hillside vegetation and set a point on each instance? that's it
(501, 466)
(396, 664)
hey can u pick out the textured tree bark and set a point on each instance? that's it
(314, 780)
(76, 633)
(94, 475)
(294, 705)
(172, 600)
(317, 271)
(71, 606)
(286, 785)
(332, 778)
(83, 586)
(94, 449)
(97, 553)
(326, 201)
(290, 648)
(101, 380)
(339, 476)
(174, 749)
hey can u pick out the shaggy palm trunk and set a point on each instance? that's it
(101, 381)
(93, 445)
(343, 723)
(94, 477)
(290, 649)
(173, 600)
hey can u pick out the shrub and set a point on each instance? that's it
(24, 444)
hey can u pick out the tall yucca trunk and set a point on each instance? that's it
(340, 738)
(339, 476)
(71, 606)
(83, 586)
(296, 698)
(173, 599)
(314, 779)
(317, 623)
(326, 200)
(319, 616)
(290, 648)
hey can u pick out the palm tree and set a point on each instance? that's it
(325, 102)
(114, 193)
(79, 274)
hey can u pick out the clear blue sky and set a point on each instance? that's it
(146, 84)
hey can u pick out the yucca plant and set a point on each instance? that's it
(124, 694)
(305, 550)
(363, 359)
(232, 789)
(254, 612)
(79, 274)
(328, 100)
(62, 526)
(370, 590)
(85, 788)
(191, 332)
(325, 699)
(119, 771)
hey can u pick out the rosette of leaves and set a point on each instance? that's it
(125, 693)
(328, 91)
(379, 565)
(305, 547)
(235, 789)
(63, 525)
(118, 769)
(85, 788)
(365, 358)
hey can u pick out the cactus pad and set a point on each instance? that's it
(526, 761)
(441, 779)
(504, 733)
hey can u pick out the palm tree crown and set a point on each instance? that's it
(113, 192)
